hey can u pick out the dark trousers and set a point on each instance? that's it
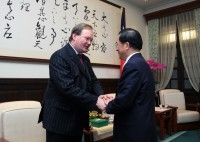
(53, 137)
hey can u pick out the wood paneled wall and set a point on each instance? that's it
(34, 89)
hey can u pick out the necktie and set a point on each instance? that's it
(80, 58)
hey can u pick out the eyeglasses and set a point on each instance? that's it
(118, 43)
(121, 43)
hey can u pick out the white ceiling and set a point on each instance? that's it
(145, 4)
(149, 4)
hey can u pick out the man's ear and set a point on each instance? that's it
(127, 45)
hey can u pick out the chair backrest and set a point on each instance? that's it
(164, 91)
(18, 122)
(175, 99)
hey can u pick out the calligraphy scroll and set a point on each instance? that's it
(37, 28)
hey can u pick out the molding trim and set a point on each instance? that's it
(173, 10)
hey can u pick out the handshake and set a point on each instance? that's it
(103, 101)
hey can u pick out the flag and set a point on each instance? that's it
(122, 27)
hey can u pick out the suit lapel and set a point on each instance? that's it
(74, 58)
(79, 64)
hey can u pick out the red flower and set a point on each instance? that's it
(155, 65)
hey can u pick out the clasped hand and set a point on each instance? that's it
(103, 101)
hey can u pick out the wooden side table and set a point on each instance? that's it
(164, 116)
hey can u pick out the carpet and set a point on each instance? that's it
(184, 136)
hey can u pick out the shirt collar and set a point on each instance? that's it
(127, 59)
(73, 48)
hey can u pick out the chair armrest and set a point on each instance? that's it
(196, 106)
(173, 107)
(3, 140)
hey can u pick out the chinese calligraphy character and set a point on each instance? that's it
(76, 7)
(65, 18)
(25, 5)
(104, 33)
(37, 44)
(9, 3)
(42, 14)
(103, 18)
(54, 12)
(7, 34)
(56, 3)
(39, 34)
(63, 43)
(65, 5)
(103, 47)
(43, 2)
(40, 31)
(95, 46)
(94, 24)
(87, 12)
(94, 15)
(65, 30)
(53, 35)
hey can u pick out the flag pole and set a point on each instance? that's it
(123, 25)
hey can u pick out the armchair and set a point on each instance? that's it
(183, 119)
(19, 122)
(164, 91)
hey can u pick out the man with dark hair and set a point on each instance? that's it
(73, 89)
(133, 106)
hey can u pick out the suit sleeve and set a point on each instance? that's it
(127, 90)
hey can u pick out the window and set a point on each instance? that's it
(189, 34)
(179, 77)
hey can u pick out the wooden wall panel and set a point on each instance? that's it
(7, 95)
(34, 89)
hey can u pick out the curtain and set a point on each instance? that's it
(153, 34)
(188, 30)
(167, 49)
(197, 19)
(162, 45)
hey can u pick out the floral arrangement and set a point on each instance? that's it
(155, 65)
(94, 114)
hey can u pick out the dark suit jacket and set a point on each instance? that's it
(133, 106)
(72, 91)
